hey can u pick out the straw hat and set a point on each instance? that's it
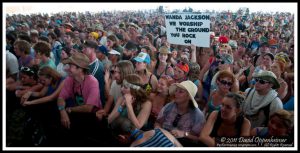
(189, 86)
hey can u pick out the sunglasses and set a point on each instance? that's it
(177, 118)
(261, 81)
(226, 83)
(112, 71)
(26, 69)
(222, 62)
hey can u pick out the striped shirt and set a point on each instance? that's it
(157, 140)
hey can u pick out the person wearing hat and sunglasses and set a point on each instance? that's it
(182, 117)
(81, 87)
(262, 100)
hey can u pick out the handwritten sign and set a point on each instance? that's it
(186, 29)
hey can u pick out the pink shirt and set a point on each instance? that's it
(89, 89)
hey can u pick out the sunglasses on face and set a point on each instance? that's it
(261, 81)
(112, 71)
(226, 83)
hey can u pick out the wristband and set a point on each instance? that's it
(120, 109)
(61, 107)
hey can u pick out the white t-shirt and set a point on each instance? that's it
(115, 91)
(11, 63)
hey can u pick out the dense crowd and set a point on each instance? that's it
(112, 79)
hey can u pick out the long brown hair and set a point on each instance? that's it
(48, 72)
(125, 67)
(140, 95)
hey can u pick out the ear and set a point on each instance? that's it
(271, 85)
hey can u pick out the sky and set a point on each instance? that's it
(26, 8)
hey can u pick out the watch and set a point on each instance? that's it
(186, 134)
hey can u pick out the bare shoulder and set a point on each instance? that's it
(147, 103)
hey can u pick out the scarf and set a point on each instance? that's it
(254, 102)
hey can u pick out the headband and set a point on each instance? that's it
(130, 85)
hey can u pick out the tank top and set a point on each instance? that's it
(164, 71)
(218, 122)
(148, 86)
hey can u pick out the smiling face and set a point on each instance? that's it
(225, 84)
(45, 80)
(162, 86)
(163, 57)
(178, 73)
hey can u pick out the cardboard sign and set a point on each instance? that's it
(187, 29)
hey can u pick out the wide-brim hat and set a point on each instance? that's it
(268, 76)
(78, 59)
(69, 25)
(189, 86)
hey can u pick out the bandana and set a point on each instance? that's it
(184, 67)
(129, 85)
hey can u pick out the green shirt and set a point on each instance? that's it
(49, 63)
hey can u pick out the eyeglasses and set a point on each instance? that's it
(26, 69)
(177, 118)
(226, 83)
(261, 81)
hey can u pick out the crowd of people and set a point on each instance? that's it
(112, 79)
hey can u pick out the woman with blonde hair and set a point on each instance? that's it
(159, 98)
(133, 106)
(278, 68)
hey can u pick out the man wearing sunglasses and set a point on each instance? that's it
(262, 100)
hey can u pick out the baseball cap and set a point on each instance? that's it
(102, 49)
(114, 52)
(143, 57)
